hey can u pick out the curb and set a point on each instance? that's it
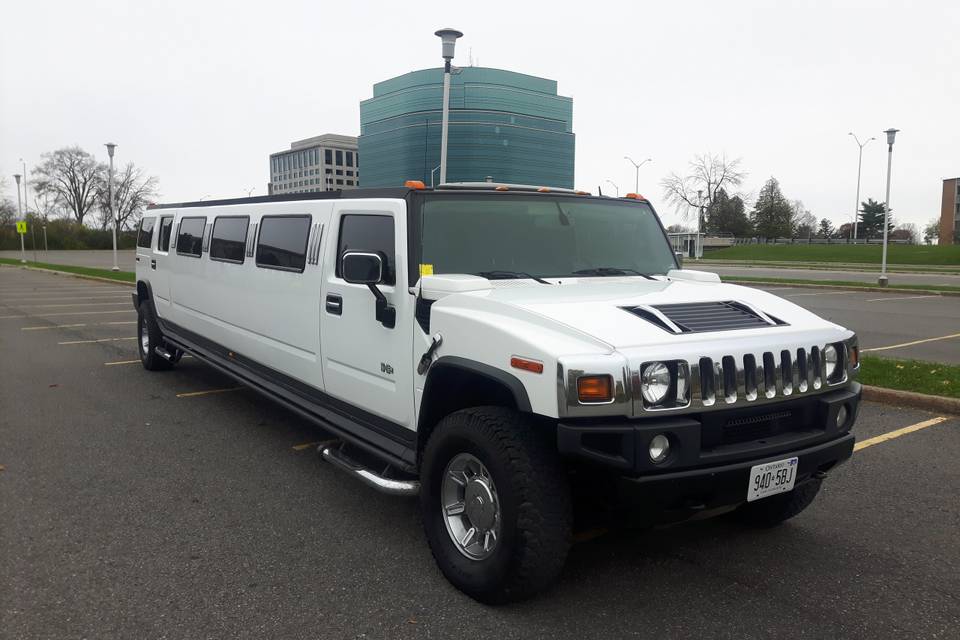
(840, 287)
(69, 273)
(935, 404)
(923, 270)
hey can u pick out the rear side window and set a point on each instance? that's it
(283, 242)
(145, 236)
(190, 239)
(372, 234)
(229, 239)
(166, 226)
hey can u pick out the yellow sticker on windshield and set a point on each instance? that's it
(426, 269)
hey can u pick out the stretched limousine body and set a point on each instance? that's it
(488, 347)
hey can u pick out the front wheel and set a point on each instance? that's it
(495, 504)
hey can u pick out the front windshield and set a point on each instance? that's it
(541, 236)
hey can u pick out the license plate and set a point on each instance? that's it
(772, 478)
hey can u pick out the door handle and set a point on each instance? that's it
(153, 264)
(334, 304)
(138, 258)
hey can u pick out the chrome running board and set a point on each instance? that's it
(368, 477)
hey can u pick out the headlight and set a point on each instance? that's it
(655, 382)
(831, 358)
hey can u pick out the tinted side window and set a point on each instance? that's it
(166, 226)
(373, 234)
(229, 239)
(145, 236)
(283, 242)
(190, 238)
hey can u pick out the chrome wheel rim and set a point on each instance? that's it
(144, 337)
(470, 507)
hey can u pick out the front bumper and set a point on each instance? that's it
(712, 453)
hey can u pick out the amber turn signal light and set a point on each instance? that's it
(526, 365)
(854, 357)
(415, 184)
(595, 388)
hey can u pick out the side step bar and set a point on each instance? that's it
(368, 477)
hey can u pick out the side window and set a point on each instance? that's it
(229, 239)
(166, 226)
(145, 235)
(373, 234)
(283, 242)
(190, 238)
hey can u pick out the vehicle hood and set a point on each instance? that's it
(596, 307)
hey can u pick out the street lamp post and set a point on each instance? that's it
(23, 251)
(891, 134)
(636, 187)
(449, 39)
(697, 250)
(113, 213)
(856, 207)
(614, 184)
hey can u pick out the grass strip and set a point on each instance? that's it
(897, 254)
(932, 378)
(934, 288)
(121, 276)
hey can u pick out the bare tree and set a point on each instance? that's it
(707, 175)
(802, 222)
(70, 175)
(132, 192)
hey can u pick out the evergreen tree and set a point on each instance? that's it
(871, 220)
(826, 229)
(727, 215)
(772, 214)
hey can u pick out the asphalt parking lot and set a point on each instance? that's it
(143, 505)
(867, 277)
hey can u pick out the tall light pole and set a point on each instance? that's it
(614, 184)
(636, 187)
(449, 39)
(113, 214)
(23, 251)
(856, 208)
(891, 134)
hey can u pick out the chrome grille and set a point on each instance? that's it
(756, 377)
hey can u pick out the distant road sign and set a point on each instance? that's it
(22, 227)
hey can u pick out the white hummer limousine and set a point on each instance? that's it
(499, 349)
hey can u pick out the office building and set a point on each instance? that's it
(322, 163)
(950, 212)
(509, 126)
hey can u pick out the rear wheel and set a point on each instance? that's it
(148, 339)
(495, 504)
(769, 512)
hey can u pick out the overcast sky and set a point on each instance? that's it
(200, 92)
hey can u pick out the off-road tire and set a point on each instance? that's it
(769, 512)
(149, 358)
(534, 496)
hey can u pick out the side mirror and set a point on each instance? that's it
(361, 268)
(679, 256)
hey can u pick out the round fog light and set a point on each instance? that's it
(659, 448)
(842, 415)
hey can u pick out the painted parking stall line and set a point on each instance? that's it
(208, 392)
(893, 298)
(910, 344)
(96, 341)
(67, 313)
(869, 442)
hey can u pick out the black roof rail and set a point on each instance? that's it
(386, 192)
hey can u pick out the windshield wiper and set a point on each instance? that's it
(612, 271)
(507, 275)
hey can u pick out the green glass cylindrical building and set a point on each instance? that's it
(509, 126)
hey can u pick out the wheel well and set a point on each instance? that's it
(143, 291)
(450, 388)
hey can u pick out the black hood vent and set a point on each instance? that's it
(701, 317)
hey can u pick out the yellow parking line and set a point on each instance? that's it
(77, 304)
(61, 298)
(100, 340)
(70, 326)
(910, 344)
(305, 445)
(72, 313)
(869, 442)
(818, 293)
(110, 364)
(899, 298)
(194, 394)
